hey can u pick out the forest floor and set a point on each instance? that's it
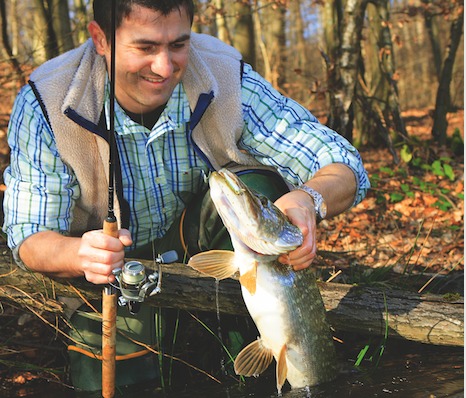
(411, 223)
(409, 231)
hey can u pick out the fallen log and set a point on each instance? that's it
(430, 319)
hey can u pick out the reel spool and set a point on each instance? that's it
(135, 284)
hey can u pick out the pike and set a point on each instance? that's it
(285, 305)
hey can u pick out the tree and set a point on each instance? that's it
(377, 94)
(223, 32)
(47, 40)
(7, 47)
(61, 23)
(443, 100)
(244, 40)
(274, 14)
(343, 59)
(80, 21)
(362, 91)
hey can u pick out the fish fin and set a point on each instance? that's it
(282, 369)
(253, 359)
(249, 279)
(218, 264)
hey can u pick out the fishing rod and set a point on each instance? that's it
(110, 227)
(133, 283)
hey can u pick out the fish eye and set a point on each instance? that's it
(264, 200)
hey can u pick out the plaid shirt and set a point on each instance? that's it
(161, 170)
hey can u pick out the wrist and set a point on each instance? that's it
(319, 204)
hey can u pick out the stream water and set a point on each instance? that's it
(405, 370)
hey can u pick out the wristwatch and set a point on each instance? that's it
(319, 203)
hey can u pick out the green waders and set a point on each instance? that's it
(198, 229)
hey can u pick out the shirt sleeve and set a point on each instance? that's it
(41, 189)
(281, 133)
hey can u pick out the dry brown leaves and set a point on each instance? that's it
(409, 236)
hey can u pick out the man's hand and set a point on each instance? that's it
(337, 184)
(298, 206)
(94, 255)
(100, 254)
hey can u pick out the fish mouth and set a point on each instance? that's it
(250, 217)
(232, 202)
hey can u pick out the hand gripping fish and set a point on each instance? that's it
(285, 305)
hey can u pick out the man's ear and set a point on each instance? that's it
(98, 37)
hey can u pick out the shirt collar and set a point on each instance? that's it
(175, 115)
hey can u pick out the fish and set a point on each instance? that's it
(285, 305)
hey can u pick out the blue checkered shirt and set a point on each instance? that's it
(161, 171)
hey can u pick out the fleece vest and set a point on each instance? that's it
(70, 90)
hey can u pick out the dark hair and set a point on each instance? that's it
(102, 10)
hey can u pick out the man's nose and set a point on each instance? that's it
(162, 63)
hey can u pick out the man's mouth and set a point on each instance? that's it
(153, 79)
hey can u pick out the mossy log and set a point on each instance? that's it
(430, 319)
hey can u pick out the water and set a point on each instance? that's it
(405, 370)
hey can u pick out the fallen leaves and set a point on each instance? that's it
(411, 220)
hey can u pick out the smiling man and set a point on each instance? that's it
(186, 104)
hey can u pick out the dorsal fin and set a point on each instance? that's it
(253, 359)
(218, 264)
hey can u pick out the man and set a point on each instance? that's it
(186, 104)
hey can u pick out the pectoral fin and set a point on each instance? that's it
(249, 279)
(282, 369)
(218, 264)
(253, 359)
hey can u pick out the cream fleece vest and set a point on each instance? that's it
(71, 90)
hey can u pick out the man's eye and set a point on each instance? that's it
(146, 49)
(179, 45)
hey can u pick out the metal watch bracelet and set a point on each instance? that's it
(319, 204)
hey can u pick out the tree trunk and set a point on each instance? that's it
(378, 109)
(298, 43)
(275, 40)
(345, 67)
(61, 23)
(244, 40)
(46, 39)
(266, 69)
(368, 310)
(80, 13)
(443, 100)
(6, 45)
(220, 21)
(434, 36)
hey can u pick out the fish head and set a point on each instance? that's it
(251, 217)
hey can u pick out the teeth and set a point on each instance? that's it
(153, 80)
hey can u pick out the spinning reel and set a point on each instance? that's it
(135, 284)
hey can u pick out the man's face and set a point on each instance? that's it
(151, 57)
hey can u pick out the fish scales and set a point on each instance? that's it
(285, 305)
(287, 309)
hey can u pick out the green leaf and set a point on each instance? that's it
(443, 205)
(380, 199)
(416, 181)
(387, 170)
(449, 172)
(437, 168)
(417, 162)
(405, 188)
(406, 154)
(361, 355)
(396, 197)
